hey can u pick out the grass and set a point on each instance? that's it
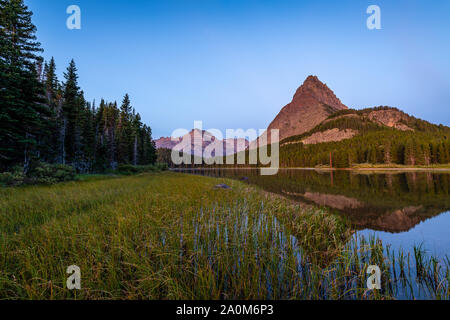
(357, 166)
(174, 236)
(399, 166)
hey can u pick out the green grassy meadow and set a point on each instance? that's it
(174, 236)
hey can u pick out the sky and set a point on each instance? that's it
(234, 64)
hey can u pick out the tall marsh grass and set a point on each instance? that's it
(173, 236)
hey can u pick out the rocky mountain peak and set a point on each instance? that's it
(313, 102)
(313, 88)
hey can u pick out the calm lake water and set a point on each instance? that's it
(402, 209)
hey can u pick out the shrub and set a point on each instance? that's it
(129, 169)
(44, 173)
(15, 177)
(162, 166)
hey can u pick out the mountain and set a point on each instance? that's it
(381, 135)
(198, 142)
(349, 123)
(317, 130)
(312, 103)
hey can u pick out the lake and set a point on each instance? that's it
(402, 209)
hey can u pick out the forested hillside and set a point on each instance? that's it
(44, 119)
(396, 138)
(381, 135)
(388, 146)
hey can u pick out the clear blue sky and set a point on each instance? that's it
(235, 64)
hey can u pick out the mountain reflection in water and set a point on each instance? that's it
(390, 201)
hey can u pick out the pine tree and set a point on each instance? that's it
(100, 159)
(136, 125)
(44, 120)
(442, 154)
(387, 156)
(51, 82)
(124, 143)
(147, 149)
(88, 135)
(22, 111)
(72, 109)
(53, 99)
(410, 158)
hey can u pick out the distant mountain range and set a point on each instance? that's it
(312, 103)
(316, 125)
(197, 141)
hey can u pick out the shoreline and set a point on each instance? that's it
(326, 169)
(163, 227)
